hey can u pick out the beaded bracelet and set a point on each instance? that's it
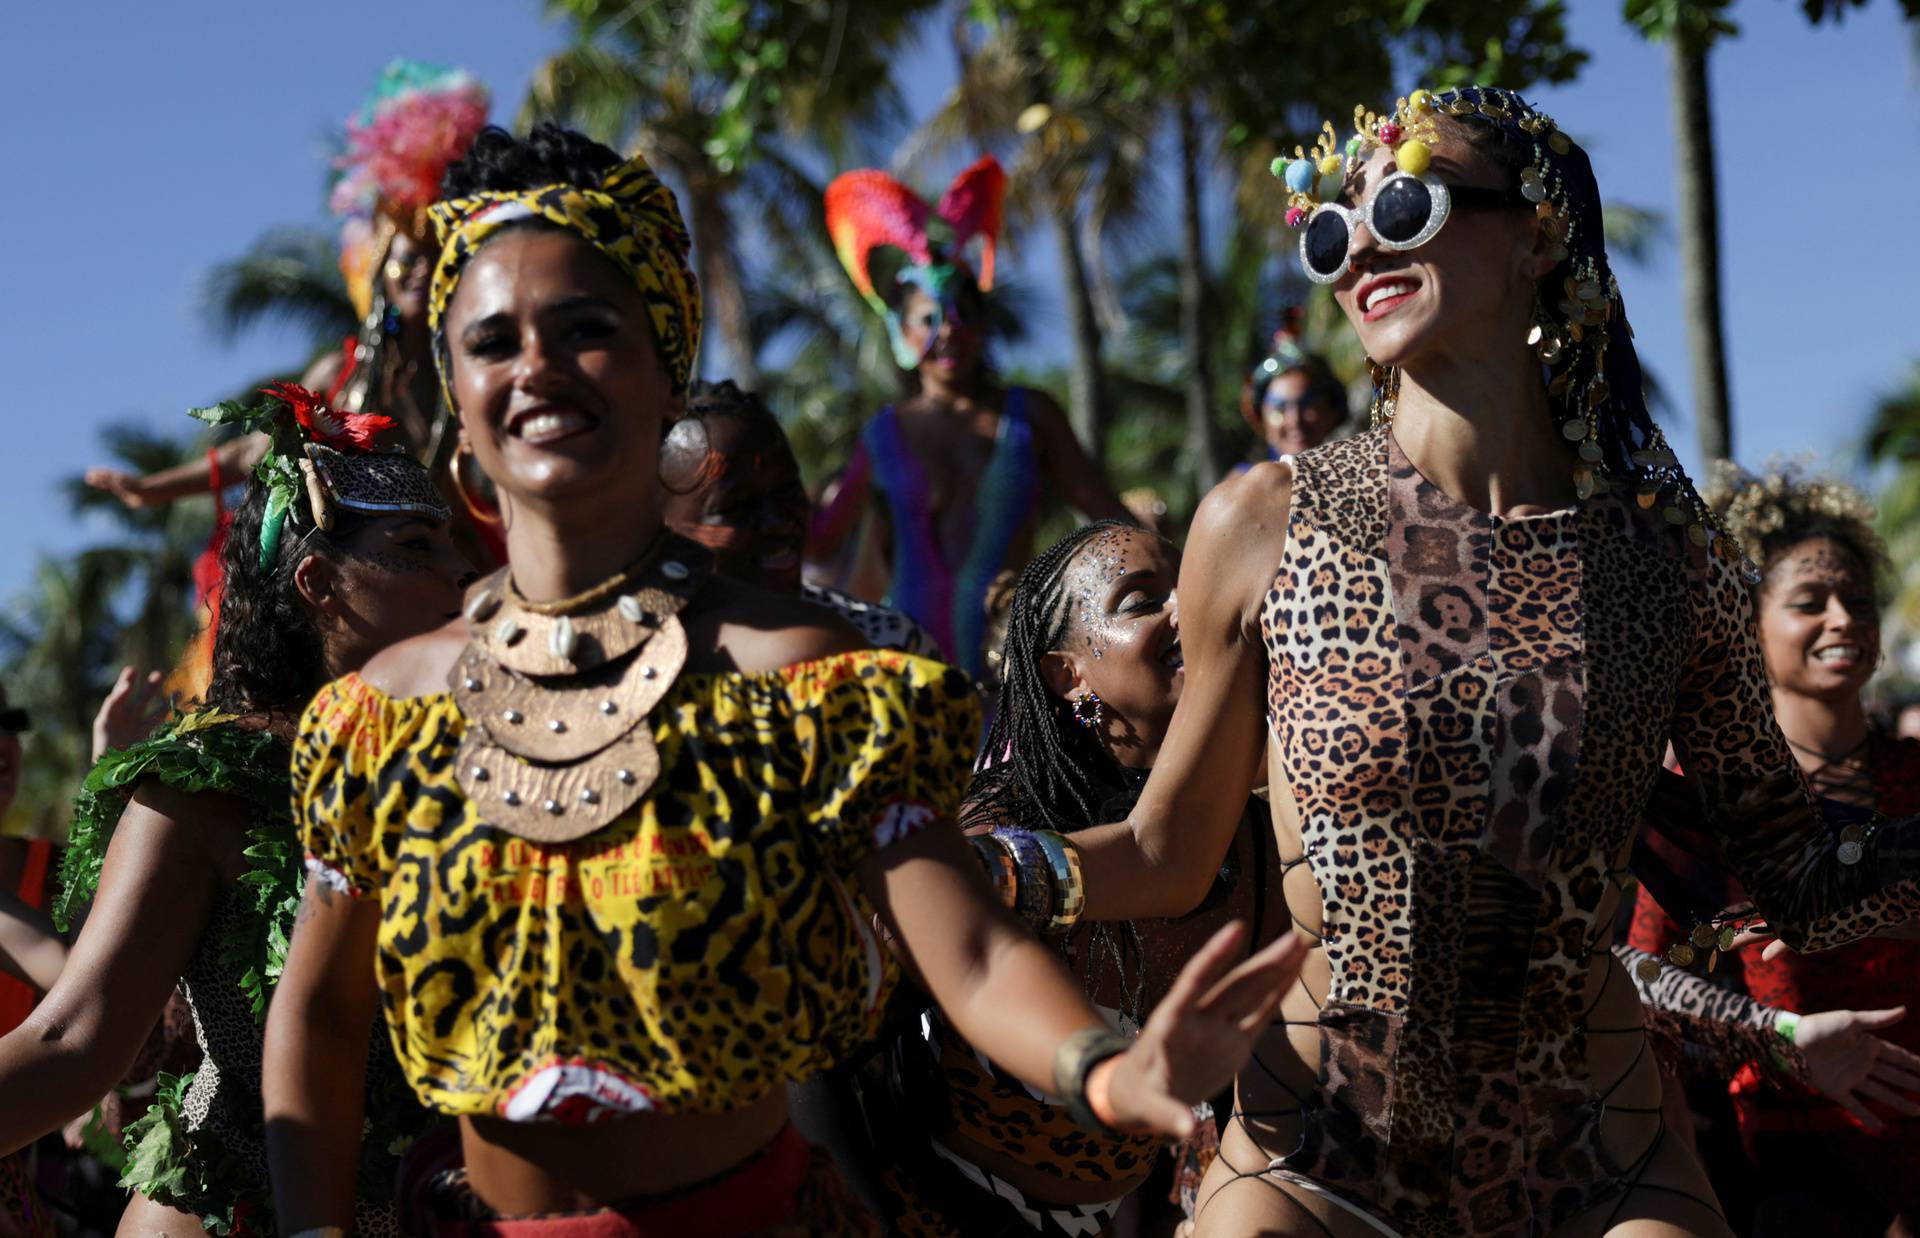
(1073, 1061)
(998, 863)
(1036, 899)
(1069, 887)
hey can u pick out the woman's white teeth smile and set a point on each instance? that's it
(545, 427)
(1838, 655)
(1382, 292)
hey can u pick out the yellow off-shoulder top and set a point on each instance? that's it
(704, 948)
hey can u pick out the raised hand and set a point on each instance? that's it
(1849, 1065)
(135, 706)
(1201, 1034)
(118, 483)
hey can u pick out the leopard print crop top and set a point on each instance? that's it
(701, 950)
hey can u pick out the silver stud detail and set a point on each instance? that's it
(561, 639)
(478, 773)
(630, 608)
(512, 799)
(673, 569)
(648, 672)
(482, 605)
(625, 776)
(609, 708)
(513, 715)
(552, 806)
(557, 727)
(589, 796)
(473, 685)
(507, 631)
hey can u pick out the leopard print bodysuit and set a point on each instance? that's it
(1470, 712)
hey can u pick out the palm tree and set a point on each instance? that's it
(129, 600)
(288, 275)
(720, 95)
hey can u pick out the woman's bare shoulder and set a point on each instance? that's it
(419, 665)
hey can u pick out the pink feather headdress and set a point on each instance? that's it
(869, 209)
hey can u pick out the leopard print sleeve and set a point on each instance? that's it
(892, 741)
(1704, 1025)
(1819, 881)
(339, 742)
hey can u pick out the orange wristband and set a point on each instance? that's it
(1099, 1090)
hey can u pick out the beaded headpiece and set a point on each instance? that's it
(419, 120)
(1580, 331)
(870, 216)
(331, 459)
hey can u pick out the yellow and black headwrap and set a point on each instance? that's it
(632, 219)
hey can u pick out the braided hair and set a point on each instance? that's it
(1048, 772)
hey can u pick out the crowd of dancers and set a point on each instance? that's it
(1469, 827)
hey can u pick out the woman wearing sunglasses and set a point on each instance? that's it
(1460, 643)
(183, 844)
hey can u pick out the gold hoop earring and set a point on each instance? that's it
(480, 514)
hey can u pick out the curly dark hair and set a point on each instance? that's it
(1773, 512)
(498, 161)
(267, 653)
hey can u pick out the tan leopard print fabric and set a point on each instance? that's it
(1471, 713)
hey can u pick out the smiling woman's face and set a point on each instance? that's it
(1123, 632)
(1472, 284)
(1819, 622)
(555, 376)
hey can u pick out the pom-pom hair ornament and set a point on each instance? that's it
(420, 119)
(876, 222)
(1580, 331)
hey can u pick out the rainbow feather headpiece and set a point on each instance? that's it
(870, 216)
(418, 121)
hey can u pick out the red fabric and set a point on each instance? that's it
(757, 1196)
(1863, 975)
(17, 997)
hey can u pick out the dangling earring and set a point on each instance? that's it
(1088, 710)
(1386, 389)
(485, 515)
(1544, 336)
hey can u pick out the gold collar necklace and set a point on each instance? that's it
(557, 695)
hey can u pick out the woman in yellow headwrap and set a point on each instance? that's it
(609, 848)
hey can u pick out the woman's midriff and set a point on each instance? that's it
(1288, 1062)
(519, 1168)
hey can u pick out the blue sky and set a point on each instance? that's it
(146, 142)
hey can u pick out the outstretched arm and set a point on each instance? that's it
(1070, 472)
(1013, 999)
(236, 458)
(157, 889)
(1161, 860)
(314, 1075)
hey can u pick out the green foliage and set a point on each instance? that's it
(289, 275)
(1697, 22)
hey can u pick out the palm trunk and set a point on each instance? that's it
(1203, 437)
(1699, 210)
(722, 284)
(1086, 376)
